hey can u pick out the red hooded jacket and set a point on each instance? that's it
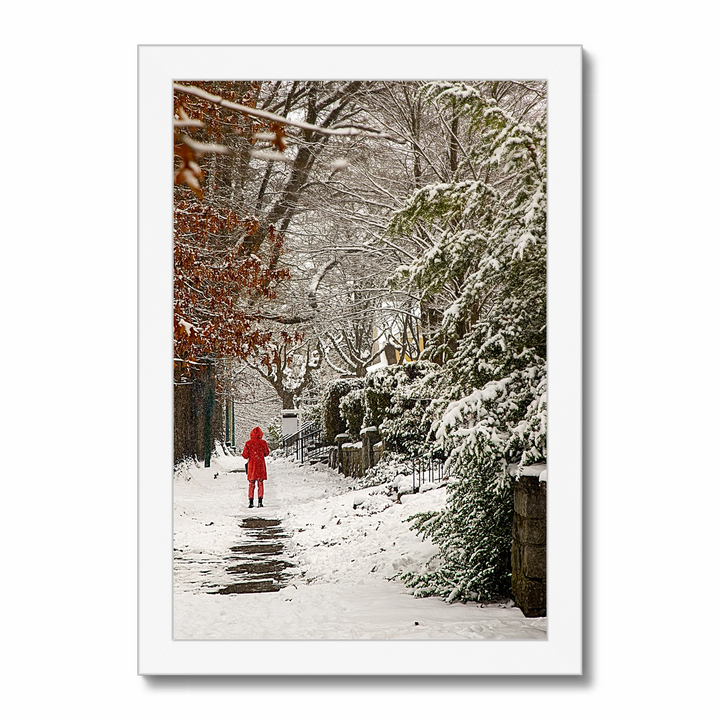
(255, 451)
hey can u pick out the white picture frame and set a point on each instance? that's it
(562, 652)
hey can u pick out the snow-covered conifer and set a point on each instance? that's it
(488, 255)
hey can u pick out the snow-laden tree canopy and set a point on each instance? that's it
(484, 272)
(485, 269)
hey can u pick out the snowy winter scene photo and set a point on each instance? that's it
(360, 375)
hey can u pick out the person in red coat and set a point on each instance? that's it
(255, 452)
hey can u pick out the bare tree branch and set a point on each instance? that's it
(254, 112)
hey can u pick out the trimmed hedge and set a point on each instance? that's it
(333, 422)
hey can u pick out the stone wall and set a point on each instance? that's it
(529, 548)
(354, 459)
(351, 460)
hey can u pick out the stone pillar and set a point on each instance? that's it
(340, 440)
(378, 449)
(529, 548)
(369, 437)
(290, 421)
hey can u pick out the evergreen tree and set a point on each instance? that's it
(488, 253)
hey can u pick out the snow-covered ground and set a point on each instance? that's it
(344, 544)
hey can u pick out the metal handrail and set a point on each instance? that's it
(291, 437)
(303, 443)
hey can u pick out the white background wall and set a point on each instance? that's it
(69, 319)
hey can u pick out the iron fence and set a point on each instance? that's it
(427, 468)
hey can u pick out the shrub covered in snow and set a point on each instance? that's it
(395, 400)
(274, 433)
(391, 466)
(473, 533)
(333, 422)
(352, 409)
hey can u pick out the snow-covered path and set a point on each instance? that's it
(344, 545)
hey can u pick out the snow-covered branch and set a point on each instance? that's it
(272, 117)
(319, 275)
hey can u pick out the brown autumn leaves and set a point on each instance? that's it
(225, 265)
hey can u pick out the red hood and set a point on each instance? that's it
(256, 434)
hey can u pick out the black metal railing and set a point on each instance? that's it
(427, 468)
(305, 444)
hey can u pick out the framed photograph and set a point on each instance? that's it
(360, 360)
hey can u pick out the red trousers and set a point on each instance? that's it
(251, 488)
